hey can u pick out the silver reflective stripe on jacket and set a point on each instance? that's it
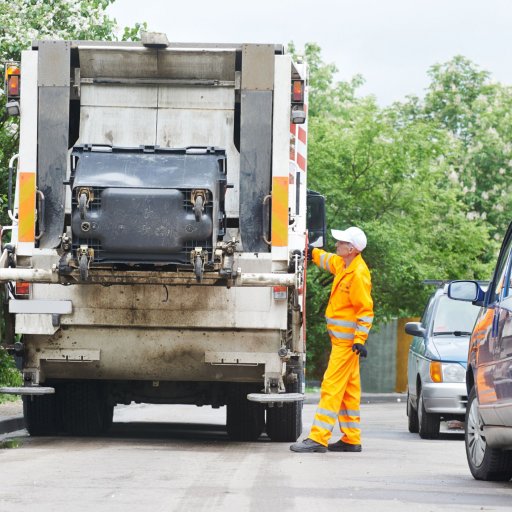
(341, 335)
(324, 262)
(341, 323)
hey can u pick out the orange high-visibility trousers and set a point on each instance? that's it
(340, 397)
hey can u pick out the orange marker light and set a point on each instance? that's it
(436, 371)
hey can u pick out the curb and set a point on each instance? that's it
(11, 424)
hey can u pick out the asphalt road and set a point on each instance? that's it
(178, 458)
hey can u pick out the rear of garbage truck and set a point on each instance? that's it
(158, 210)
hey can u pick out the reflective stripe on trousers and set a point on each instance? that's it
(340, 397)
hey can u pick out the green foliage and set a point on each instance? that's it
(9, 375)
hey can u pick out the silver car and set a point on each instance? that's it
(436, 368)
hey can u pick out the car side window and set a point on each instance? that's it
(508, 291)
(501, 282)
(427, 314)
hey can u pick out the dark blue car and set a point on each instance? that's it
(489, 371)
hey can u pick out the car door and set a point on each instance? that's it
(502, 358)
(489, 350)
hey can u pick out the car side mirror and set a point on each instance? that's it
(315, 220)
(468, 291)
(415, 329)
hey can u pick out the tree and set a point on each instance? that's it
(478, 113)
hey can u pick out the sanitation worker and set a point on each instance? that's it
(349, 317)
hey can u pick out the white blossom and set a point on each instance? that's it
(453, 176)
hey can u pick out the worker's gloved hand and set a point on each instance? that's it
(359, 349)
(310, 253)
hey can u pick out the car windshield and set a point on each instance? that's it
(454, 317)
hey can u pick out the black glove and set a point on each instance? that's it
(359, 349)
(310, 253)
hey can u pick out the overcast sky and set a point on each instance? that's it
(392, 43)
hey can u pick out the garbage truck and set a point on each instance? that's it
(159, 217)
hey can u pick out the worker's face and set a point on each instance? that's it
(344, 249)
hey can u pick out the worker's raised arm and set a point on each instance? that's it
(327, 261)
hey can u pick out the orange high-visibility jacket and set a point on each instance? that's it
(349, 314)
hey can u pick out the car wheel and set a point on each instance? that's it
(485, 463)
(412, 417)
(428, 424)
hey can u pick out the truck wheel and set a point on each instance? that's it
(428, 424)
(485, 463)
(40, 414)
(83, 408)
(108, 417)
(245, 420)
(284, 424)
(412, 417)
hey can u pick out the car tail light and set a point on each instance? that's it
(297, 91)
(12, 80)
(22, 289)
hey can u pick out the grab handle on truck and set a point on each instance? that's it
(266, 217)
(40, 214)
(9, 187)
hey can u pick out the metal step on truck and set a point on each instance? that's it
(159, 221)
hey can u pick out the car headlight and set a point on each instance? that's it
(447, 372)
(453, 372)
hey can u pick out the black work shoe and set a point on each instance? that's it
(340, 446)
(308, 446)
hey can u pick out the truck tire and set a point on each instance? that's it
(245, 420)
(108, 416)
(485, 463)
(428, 424)
(83, 408)
(41, 415)
(412, 417)
(284, 424)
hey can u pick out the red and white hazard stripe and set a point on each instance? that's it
(298, 143)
